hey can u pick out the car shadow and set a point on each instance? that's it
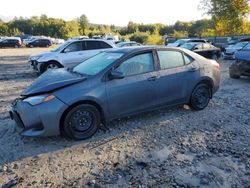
(15, 147)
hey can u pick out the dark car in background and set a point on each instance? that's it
(180, 42)
(39, 43)
(241, 65)
(10, 42)
(113, 84)
(204, 49)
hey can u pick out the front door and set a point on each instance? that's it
(73, 54)
(136, 91)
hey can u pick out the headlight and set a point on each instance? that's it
(34, 58)
(39, 99)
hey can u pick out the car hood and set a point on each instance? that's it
(243, 55)
(233, 49)
(43, 54)
(52, 80)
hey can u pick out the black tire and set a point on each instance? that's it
(81, 122)
(200, 97)
(51, 65)
(233, 75)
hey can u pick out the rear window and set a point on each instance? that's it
(170, 59)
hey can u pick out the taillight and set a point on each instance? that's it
(215, 64)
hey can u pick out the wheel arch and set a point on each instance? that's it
(90, 102)
(42, 68)
(208, 81)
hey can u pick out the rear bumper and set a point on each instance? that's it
(39, 120)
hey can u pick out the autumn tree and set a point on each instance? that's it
(230, 16)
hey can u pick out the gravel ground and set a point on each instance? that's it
(174, 147)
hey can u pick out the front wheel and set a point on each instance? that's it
(200, 97)
(51, 65)
(82, 122)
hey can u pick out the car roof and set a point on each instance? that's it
(99, 40)
(140, 49)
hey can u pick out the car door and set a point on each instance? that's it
(72, 55)
(136, 91)
(175, 76)
(92, 48)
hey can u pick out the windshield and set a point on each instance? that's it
(240, 45)
(180, 42)
(247, 47)
(96, 64)
(188, 46)
(62, 46)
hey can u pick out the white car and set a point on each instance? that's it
(69, 54)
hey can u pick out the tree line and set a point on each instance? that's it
(228, 17)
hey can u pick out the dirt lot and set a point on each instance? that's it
(174, 147)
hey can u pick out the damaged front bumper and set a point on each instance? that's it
(38, 120)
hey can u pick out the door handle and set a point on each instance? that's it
(153, 78)
(80, 53)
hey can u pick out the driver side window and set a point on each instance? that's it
(138, 64)
(74, 47)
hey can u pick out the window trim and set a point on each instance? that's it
(183, 53)
(136, 54)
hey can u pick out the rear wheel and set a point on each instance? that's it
(81, 122)
(234, 76)
(16, 46)
(200, 97)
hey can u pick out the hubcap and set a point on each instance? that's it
(81, 120)
(52, 66)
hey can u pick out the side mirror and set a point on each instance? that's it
(66, 50)
(116, 75)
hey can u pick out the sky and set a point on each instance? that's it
(109, 12)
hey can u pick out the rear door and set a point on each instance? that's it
(136, 91)
(176, 75)
(92, 48)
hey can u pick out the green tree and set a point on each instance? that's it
(84, 24)
(229, 15)
(72, 29)
(3, 28)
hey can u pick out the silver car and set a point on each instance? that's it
(111, 85)
(69, 54)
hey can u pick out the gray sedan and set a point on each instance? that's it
(111, 85)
